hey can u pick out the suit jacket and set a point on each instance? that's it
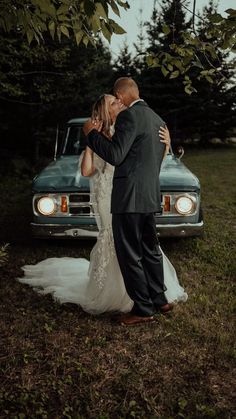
(137, 153)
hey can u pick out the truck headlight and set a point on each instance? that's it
(185, 205)
(46, 206)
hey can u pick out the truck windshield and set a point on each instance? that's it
(74, 141)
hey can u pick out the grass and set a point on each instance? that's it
(59, 362)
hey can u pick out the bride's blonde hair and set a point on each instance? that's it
(100, 111)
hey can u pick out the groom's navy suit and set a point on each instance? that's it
(137, 153)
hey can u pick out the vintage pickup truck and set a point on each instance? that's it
(62, 204)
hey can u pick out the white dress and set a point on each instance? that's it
(97, 286)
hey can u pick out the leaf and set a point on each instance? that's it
(65, 31)
(208, 78)
(197, 64)
(230, 11)
(215, 18)
(164, 71)
(78, 37)
(152, 61)
(30, 36)
(105, 31)
(89, 7)
(59, 33)
(63, 19)
(63, 9)
(182, 403)
(174, 74)
(189, 89)
(95, 24)
(86, 40)
(165, 29)
(100, 11)
(52, 28)
(226, 44)
(170, 67)
(115, 8)
(178, 64)
(117, 28)
(122, 4)
(47, 8)
(149, 60)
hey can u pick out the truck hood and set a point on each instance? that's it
(63, 175)
(176, 176)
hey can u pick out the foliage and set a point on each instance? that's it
(41, 84)
(71, 18)
(196, 56)
(3, 254)
(46, 84)
(210, 111)
(84, 20)
(125, 65)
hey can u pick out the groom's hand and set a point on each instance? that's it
(92, 124)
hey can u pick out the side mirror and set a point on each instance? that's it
(180, 152)
(56, 143)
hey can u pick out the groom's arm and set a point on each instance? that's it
(114, 151)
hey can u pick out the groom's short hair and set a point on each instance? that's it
(124, 84)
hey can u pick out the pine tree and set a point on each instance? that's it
(140, 50)
(44, 85)
(166, 96)
(214, 104)
(124, 66)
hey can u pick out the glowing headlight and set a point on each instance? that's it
(184, 205)
(46, 206)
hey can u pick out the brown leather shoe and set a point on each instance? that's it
(130, 319)
(166, 308)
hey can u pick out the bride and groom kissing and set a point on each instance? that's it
(128, 272)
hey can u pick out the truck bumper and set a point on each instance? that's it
(180, 230)
(90, 230)
(69, 231)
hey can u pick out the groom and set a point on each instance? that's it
(137, 153)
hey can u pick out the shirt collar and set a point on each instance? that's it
(135, 101)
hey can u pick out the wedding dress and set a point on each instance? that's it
(97, 286)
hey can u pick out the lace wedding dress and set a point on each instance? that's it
(97, 286)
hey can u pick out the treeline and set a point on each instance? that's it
(45, 85)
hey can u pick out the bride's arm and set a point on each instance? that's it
(87, 167)
(165, 135)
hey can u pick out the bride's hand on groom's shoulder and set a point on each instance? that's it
(165, 135)
(92, 124)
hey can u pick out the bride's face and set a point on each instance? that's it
(114, 106)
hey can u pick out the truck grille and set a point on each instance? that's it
(75, 198)
(80, 204)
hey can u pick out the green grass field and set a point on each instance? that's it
(59, 362)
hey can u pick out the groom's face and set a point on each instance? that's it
(120, 95)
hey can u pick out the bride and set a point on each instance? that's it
(97, 286)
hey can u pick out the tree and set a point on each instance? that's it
(47, 84)
(81, 20)
(166, 96)
(214, 104)
(124, 66)
(84, 19)
(187, 116)
(185, 58)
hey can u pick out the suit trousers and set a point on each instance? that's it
(140, 260)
